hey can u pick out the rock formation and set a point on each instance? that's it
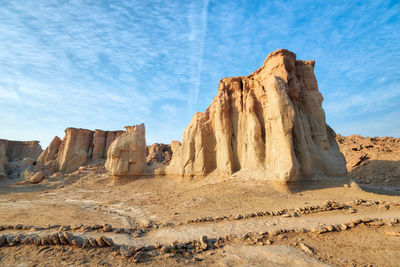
(18, 150)
(74, 150)
(160, 153)
(78, 147)
(372, 160)
(268, 125)
(3, 160)
(127, 154)
(50, 153)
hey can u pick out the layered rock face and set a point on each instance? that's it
(18, 150)
(127, 154)
(77, 148)
(267, 125)
(3, 160)
(74, 150)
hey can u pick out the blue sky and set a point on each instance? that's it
(107, 64)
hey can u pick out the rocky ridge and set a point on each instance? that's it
(372, 160)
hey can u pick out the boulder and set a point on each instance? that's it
(127, 154)
(268, 125)
(37, 177)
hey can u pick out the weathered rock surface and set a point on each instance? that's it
(3, 160)
(160, 153)
(37, 177)
(18, 150)
(78, 147)
(127, 154)
(74, 150)
(50, 153)
(372, 160)
(267, 125)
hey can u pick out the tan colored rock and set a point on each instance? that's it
(79, 146)
(50, 153)
(99, 144)
(267, 125)
(18, 150)
(37, 177)
(102, 141)
(74, 150)
(111, 136)
(127, 154)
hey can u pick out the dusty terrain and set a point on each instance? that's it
(251, 222)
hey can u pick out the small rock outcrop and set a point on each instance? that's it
(267, 125)
(127, 154)
(160, 153)
(78, 147)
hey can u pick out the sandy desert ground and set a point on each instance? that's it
(162, 221)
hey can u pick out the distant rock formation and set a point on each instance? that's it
(160, 153)
(18, 150)
(372, 160)
(267, 125)
(78, 147)
(3, 159)
(11, 151)
(127, 154)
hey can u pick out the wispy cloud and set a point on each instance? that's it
(105, 64)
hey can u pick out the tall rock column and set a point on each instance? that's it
(269, 125)
(74, 150)
(50, 153)
(127, 154)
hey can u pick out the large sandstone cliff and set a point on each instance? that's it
(268, 125)
(127, 154)
(77, 148)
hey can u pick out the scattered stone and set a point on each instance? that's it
(100, 242)
(306, 249)
(107, 240)
(107, 227)
(3, 240)
(37, 177)
(139, 257)
(126, 251)
(92, 242)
